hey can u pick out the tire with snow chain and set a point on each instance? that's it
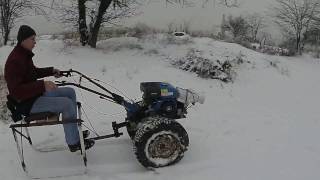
(133, 126)
(131, 129)
(160, 142)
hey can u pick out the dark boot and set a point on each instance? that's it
(88, 143)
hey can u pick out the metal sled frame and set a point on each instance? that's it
(17, 129)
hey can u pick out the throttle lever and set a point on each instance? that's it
(60, 83)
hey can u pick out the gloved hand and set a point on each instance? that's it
(56, 73)
(118, 99)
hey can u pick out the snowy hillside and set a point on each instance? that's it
(265, 125)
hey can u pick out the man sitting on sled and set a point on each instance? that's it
(35, 96)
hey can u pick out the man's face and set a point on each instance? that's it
(29, 43)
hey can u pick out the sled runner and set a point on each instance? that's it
(36, 120)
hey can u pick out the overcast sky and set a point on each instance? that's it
(158, 15)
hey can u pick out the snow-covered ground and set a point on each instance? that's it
(265, 125)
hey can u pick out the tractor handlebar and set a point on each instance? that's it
(113, 96)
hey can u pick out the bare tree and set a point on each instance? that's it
(312, 37)
(171, 27)
(183, 3)
(295, 17)
(0, 30)
(255, 23)
(265, 38)
(12, 10)
(106, 11)
(120, 8)
(88, 16)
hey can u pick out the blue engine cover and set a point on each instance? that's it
(158, 98)
(161, 97)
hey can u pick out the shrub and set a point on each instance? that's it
(205, 68)
(290, 45)
(140, 29)
(4, 112)
(237, 26)
(242, 41)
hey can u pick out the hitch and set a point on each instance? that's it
(116, 133)
(116, 128)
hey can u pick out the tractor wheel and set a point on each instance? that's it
(160, 142)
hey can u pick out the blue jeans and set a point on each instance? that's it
(61, 100)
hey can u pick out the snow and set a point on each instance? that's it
(263, 126)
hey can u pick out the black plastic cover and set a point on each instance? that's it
(151, 90)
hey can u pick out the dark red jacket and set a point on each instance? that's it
(22, 76)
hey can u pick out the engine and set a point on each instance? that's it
(162, 99)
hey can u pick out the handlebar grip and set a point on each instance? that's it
(65, 73)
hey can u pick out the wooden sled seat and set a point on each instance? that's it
(43, 116)
(42, 119)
